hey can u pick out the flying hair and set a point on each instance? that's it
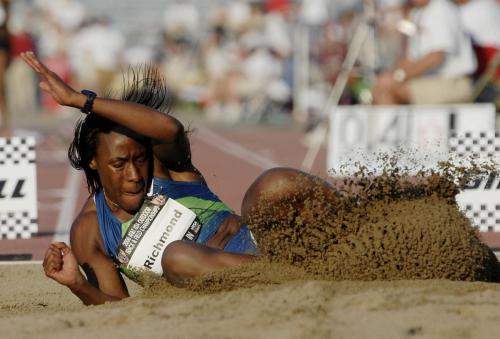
(142, 84)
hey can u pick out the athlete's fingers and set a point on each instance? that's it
(62, 247)
(53, 260)
(49, 253)
(45, 86)
(52, 269)
(59, 245)
(54, 255)
(31, 59)
(42, 69)
(54, 251)
(28, 58)
(61, 250)
(54, 266)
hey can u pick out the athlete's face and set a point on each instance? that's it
(122, 164)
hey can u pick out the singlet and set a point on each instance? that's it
(196, 196)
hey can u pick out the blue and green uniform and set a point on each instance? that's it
(196, 196)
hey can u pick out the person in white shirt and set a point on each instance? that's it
(439, 59)
(481, 20)
(96, 53)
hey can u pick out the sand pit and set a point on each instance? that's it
(390, 259)
(32, 306)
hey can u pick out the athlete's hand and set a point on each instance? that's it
(51, 82)
(60, 264)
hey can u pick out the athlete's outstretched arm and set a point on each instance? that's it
(162, 128)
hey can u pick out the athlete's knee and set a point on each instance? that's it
(278, 180)
(284, 184)
(272, 185)
(174, 260)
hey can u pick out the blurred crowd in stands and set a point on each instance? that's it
(256, 60)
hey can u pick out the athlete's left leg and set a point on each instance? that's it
(285, 185)
(184, 260)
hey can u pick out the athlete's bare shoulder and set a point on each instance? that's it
(86, 218)
(85, 229)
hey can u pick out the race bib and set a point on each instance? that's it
(159, 222)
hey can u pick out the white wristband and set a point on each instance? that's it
(399, 75)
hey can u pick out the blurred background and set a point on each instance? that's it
(260, 62)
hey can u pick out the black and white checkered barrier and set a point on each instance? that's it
(485, 217)
(481, 199)
(484, 145)
(18, 199)
(18, 225)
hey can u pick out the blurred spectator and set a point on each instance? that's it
(262, 74)
(148, 49)
(181, 68)
(54, 23)
(21, 86)
(4, 60)
(96, 54)
(237, 58)
(332, 48)
(181, 19)
(314, 12)
(67, 14)
(390, 15)
(280, 6)
(237, 16)
(438, 60)
(481, 19)
(245, 61)
(218, 60)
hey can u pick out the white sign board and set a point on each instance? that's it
(357, 133)
(18, 195)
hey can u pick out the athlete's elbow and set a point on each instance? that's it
(174, 132)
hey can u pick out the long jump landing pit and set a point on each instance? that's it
(302, 288)
(32, 306)
(265, 299)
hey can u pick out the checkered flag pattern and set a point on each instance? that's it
(485, 217)
(484, 214)
(484, 145)
(17, 224)
(15, 151)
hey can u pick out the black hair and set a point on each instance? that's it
(142, 85)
